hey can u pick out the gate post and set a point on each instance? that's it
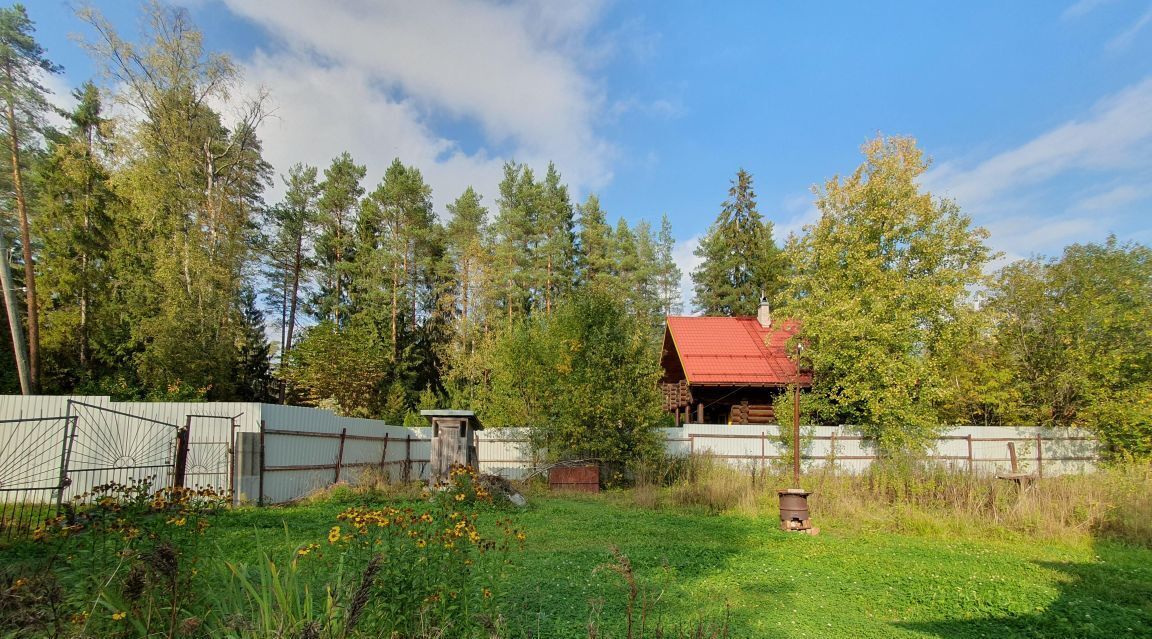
(340, 455)
(181, 454)
(70, 422)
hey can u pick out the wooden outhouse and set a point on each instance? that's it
(453, 441)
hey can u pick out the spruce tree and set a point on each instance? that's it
(667, 272)
(741, 262)
(76, 231)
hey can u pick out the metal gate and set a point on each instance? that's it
(211, 452)
(48, 460)
(32, 454)
(106, 445)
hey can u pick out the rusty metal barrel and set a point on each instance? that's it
(794, 509)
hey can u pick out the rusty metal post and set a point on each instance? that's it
(832, 450)
(181, 465)
(796, 433)
(260, 481)
(384, 454)
(340, 454)
(763, 451)
(407, 469)
(1039, 457)
(969, 438)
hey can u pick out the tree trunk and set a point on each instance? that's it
(26, 241)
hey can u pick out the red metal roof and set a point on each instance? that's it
(734, 350)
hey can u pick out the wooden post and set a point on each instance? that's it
(969, 438)
(1039, 457)
(260, 498)
(700, 413)
(677, 410)
(1012, 457)
(340, 454)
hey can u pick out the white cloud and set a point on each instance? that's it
(1082, 8)
(684, 255)
(372, 77)
(801, 210)
(1117, 135)
(1020, 194)
(312, 124)
(1128, 36)
(1114, 197)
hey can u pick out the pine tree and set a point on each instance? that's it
(466, 258)
(25, 102)
(467, 225)
(557, 245)
(741, 262)
(595, 242)
(339, 207)
(289, 264)
(515, 236)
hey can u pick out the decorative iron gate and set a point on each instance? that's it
(48, 460)
(32, 455)
(107, 445)
(211, 452)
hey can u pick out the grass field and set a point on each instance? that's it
(694, 567)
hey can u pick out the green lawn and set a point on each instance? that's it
(842, 583)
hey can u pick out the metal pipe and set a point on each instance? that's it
(796, 432)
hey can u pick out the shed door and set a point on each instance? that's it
(453, 448)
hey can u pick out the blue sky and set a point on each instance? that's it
(1038, 115)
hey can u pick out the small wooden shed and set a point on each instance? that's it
(453, 441)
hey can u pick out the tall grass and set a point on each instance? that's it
(919, 497)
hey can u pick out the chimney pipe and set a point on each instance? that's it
(764, 313)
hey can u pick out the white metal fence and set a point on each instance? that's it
(272, 454)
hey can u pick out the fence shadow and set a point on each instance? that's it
(1111, 597)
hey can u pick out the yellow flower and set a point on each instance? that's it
(117, 616)
(487, 593)
(459, 496)
(420, 543)
(177, 521)
(334, 535)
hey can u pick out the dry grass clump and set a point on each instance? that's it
(923, 498)
(708, 482)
